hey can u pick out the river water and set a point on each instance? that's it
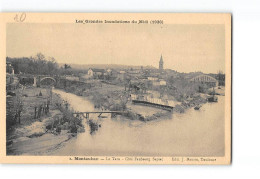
(193, 133)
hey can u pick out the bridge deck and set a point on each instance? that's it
(100, 112)
(165, 107)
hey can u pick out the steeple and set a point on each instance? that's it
(161, 63)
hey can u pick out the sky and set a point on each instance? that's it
(185, 48)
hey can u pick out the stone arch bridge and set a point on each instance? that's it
(40, 79)
(48, 80)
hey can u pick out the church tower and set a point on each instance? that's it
(161, 64)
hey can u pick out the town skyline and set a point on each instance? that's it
(120, 66)
(185, 48)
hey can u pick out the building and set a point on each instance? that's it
(159, 83)
(134, 73)
(109, 72)
(9, 75)
(161, 64)
(96, 73)
(121, 75)
(151, 78)
(156, 83)
(9, 68)
(12, 81)
(162, 83)
(72, 78)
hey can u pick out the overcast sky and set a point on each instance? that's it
(185, 48)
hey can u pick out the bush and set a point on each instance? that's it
(73, 128)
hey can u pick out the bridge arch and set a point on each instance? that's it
(205, 79)
(48, 77)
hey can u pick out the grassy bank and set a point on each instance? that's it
(34, 133)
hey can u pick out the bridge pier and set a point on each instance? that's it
(86, 114)
(99, 114)
(34, 81)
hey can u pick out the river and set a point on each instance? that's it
(193, 133)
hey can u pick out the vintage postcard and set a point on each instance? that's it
(115, 88)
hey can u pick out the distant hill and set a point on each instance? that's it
(105, 66)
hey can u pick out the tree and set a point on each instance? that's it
(40, 57)
(221, 78)
(66, 66)
(37, 65)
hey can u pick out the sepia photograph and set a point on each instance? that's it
(114, 87)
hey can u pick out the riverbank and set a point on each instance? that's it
(116, 98)
(48, 131)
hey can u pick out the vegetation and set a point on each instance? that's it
(181, 88)
(38, 64)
